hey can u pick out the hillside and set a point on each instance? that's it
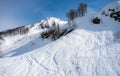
(89, 49)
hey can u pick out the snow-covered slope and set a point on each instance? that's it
(89, 50)
(32, 39)
(114, 5)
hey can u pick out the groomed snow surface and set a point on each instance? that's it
(89, 50)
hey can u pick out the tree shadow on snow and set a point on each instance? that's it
(30, 46)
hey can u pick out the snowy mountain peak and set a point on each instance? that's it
(52, 20)
(46, 24)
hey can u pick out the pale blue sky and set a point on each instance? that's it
(14, 13)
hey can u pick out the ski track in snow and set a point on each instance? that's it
(90, 59)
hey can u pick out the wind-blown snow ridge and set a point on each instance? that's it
(89, 50)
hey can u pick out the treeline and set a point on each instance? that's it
(15, 31)
(11, 32)
(81, 11)
(43, 26)
(54, 32)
